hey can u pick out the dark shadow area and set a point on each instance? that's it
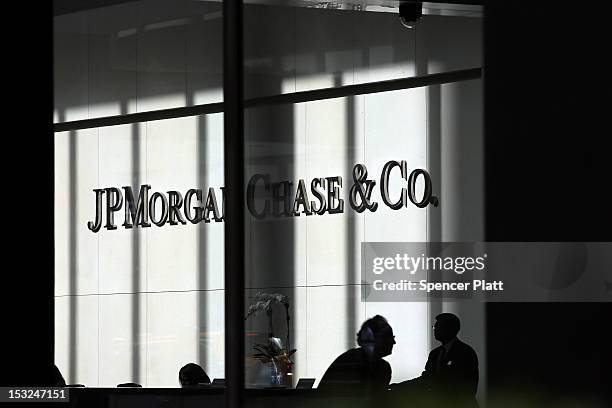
(546, 165)
(553, 351)
(547, 173)
(28, 248)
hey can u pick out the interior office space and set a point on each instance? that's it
(282, 140)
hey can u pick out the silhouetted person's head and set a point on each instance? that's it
(446, 327)
(191, 375)
(376, 335)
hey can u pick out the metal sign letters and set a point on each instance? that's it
(264, 198)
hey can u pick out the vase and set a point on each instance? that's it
(276, 376)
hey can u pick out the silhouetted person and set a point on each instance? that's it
(363, 369)
(190, 375)
(451, 371)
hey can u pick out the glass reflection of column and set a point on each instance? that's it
(350, 230)
(136, 341)
(271, 140)
(202, 250)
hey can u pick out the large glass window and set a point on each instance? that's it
(137, 304)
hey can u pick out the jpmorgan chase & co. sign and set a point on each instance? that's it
(265, 198)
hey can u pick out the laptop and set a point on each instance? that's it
(218, 382)
(305, 383)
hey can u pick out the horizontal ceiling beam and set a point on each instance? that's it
(288, 98)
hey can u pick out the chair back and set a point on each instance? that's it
(218, 382)
(129, 385)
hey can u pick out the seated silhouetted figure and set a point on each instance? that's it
(363, 369)
(190, 375)
(451, 371)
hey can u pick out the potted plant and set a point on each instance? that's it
(273, 353)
